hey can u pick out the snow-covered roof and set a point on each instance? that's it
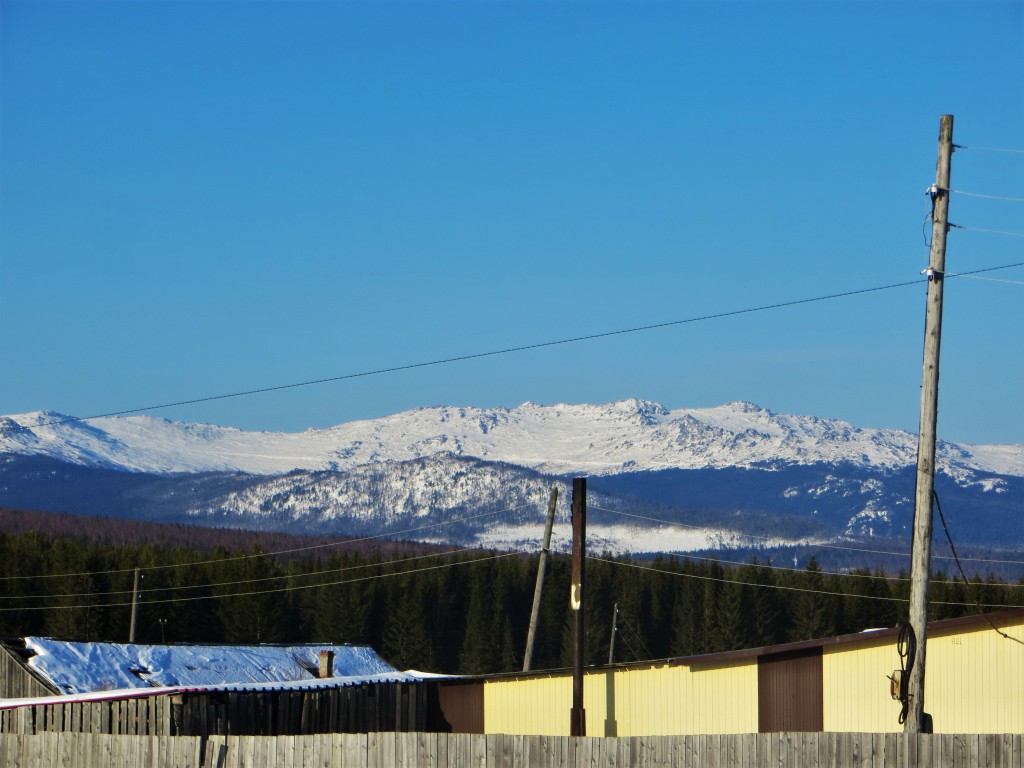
(297, 685)
(89, 667)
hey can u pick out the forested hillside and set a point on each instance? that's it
(465, 611)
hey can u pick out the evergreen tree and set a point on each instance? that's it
(814, 613)
(479, 645)
(730, 629)
(688, 614)
(254, 609)
(765, 604)
(405, 642)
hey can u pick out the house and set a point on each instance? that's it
(184, 689)
(66, 667)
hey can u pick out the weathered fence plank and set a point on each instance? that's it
(67, 749)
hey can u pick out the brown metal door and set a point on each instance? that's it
(462, 706)
(789, 692)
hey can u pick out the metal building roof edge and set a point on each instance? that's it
(712, 659)
(979, 620)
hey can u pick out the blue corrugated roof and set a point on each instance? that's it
(88, 667)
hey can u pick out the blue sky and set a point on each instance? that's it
(203, 198)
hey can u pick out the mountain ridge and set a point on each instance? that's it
(561, 439)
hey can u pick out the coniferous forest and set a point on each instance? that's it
(421, 608)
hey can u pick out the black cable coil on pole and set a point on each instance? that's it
(906, 647)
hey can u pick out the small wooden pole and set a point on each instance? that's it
(615, 628)
(135, 606)
(920, 564)
(531, 635)
(578, 715)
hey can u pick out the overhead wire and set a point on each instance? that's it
(472, 356)
(805, 544)
(275, 577)
(784, 587)
(629, 645)
(988, 197)
(963, 575)
(636, 633)
(987, 279)
(985, 229)
(6, 428)
(286, 588)
(768, 566)
(987, 149)
(346, 542)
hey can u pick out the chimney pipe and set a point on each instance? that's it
(326, 664)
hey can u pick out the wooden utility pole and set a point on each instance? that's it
(920, 566)
(541, 569)
(615, 628)
(578, 715)
(135, 606)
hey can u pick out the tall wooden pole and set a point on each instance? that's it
(135, 606)
(531, 635)
(578, 715)
(920, 565)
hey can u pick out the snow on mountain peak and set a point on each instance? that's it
(628, 435)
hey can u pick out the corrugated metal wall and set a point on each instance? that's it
(974, 682)
(659, 700)
(856, 691)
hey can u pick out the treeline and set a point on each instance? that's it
(163, 534)
(465, 612)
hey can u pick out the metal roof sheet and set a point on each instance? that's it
(90, 667)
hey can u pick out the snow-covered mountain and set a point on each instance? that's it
(736, 475)
(609, 439)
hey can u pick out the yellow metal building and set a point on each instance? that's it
(974, 684)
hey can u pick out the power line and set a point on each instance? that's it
(789, 589)
(492, 353)
(388, 535)
(989, 197)
(971, 272)
(636, 633)
(276, 577)
(769, 566)
(987, 149)
(989, 231)
(807, 544)
(286, 588)
(989, 279)
(628, 645)
(963, 575)
(473, 356)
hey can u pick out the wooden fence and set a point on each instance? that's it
(432, 750)
(343, 709)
